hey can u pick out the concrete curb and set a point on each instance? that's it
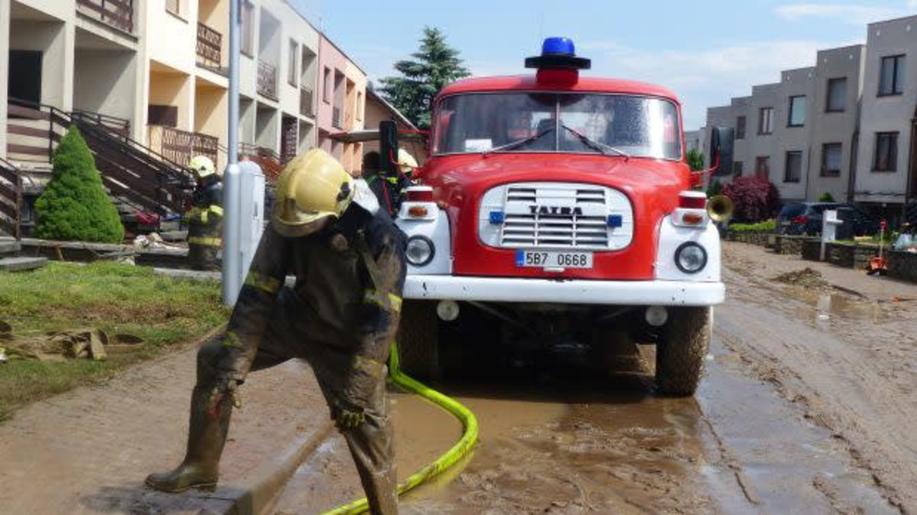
(259, 493)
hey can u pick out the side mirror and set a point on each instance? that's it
(721, 140)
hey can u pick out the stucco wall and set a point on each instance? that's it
(105, 82)
(55, 40)
(799, 82)
(889, 113)
(835, 127)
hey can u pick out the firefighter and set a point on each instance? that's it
(341, 316)
(205, 219)
(389, 188)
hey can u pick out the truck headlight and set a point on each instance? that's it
(420, 250)
(690, 257)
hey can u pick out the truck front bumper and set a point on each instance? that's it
(502, 289)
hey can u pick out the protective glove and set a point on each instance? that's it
(348, 416)
(360, 385)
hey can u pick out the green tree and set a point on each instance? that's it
(74, 205)
(435, 64)
(696, 159)
(826, 197)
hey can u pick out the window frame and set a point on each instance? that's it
(327, 85)
(786, 167)
(767, 161)
(836, 80)
(897, 79)
(770, 121)
(790, 111)
(741, 123)
(893, 167)
(737, 168)
(823, 169)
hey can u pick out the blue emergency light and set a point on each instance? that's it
(558, 53)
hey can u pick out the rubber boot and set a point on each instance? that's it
(206, 437)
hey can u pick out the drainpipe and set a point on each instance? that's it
(232, 257)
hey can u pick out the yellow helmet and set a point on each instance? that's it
(202, 166)
(406, 161)
(310, 189)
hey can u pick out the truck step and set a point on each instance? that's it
(20, 264)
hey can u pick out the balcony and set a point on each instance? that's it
(305, 102)
(267, 80)
(209, 44)
(118, 14)
(180, 146)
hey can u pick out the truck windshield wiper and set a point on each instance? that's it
(518, 142)
(601, 147)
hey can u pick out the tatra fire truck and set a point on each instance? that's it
(554, 212)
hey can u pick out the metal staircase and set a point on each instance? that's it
(133, 173)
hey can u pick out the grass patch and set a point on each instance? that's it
(116, 298)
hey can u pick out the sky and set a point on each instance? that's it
(707, 51)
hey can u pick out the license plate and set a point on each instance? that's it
(553, 259)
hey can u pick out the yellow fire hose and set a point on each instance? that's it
(450, 458)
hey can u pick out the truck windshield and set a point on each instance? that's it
(538, 122)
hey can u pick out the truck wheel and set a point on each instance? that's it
(418, 339)
(681, 350)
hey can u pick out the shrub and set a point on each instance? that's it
(755, 198)
(826, 197)
(715, 188)
(695, 159)
(74, 205)
(765, 226)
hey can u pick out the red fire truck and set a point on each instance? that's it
(556, 212)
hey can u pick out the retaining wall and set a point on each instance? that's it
(902, 265)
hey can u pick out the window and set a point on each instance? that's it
(831, 160)
(247, 45)
(737, 168)
(793, 171)
(837, 95)
(797, 111)
(292, 60)
(766, 120)
(762, 167)
(326, 86)
(891, 75)
(740, 127)
(886, 152)
(360, 105)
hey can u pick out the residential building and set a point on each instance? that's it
(886, 167)
(378, 110)
(342, 97)
(844, 127)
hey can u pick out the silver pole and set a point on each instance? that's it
(232, 259)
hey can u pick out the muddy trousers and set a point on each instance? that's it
(370, 443)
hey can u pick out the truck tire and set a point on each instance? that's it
(418, 339)
(681, 350)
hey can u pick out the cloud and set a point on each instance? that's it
(704, 77)
(852, 14)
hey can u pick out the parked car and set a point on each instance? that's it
(806, 218)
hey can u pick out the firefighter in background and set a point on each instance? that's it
(205, 219)
(341, 316)
(389, 189)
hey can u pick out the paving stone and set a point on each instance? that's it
(19, 264)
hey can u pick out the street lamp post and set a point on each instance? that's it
(232, 259)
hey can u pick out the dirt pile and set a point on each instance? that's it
(806, 278)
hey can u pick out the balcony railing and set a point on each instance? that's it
(267, 80)
(118, 14)
(336, 118)
(180, 146)
(209, 45)
(306, 107)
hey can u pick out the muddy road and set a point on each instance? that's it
(808, 406)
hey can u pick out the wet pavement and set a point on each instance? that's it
(767, 432)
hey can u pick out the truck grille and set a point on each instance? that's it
(547, 227)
